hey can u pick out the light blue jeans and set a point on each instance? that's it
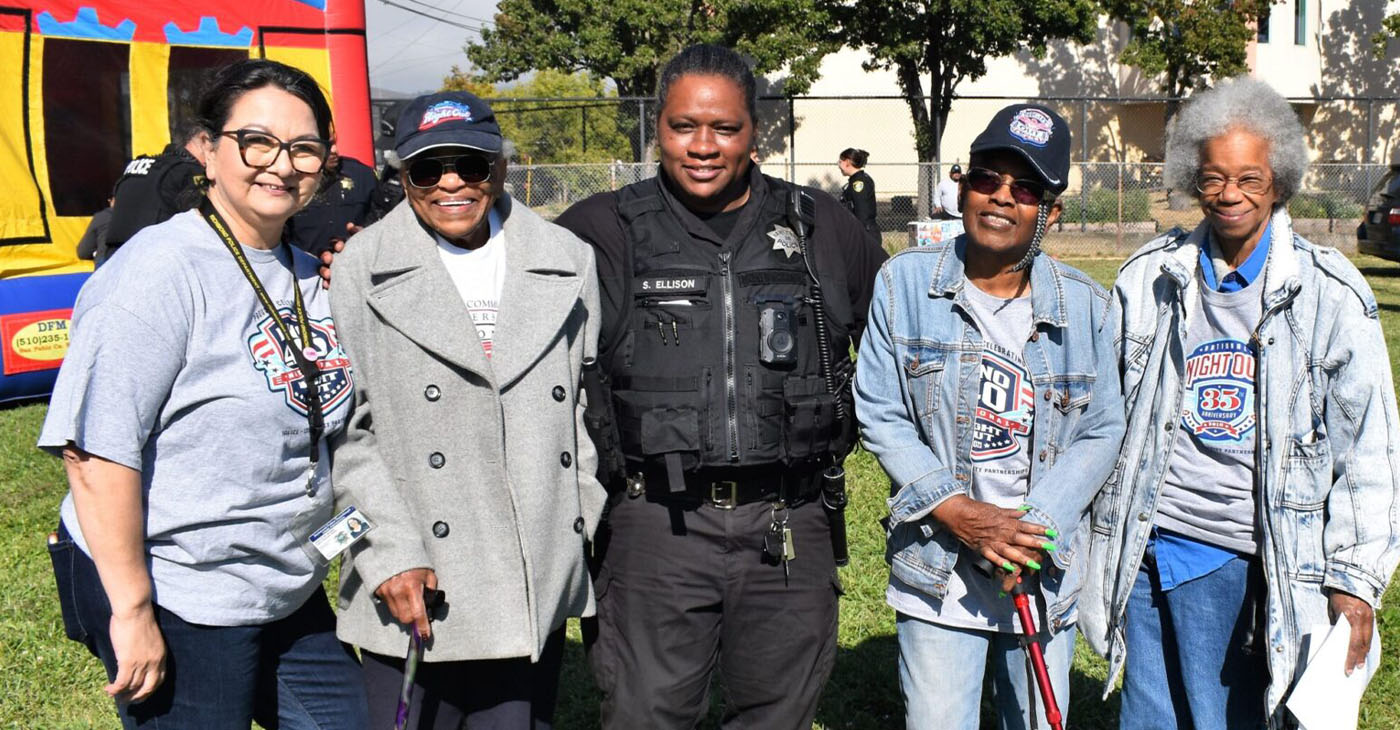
(941, 670)
(1184, 667)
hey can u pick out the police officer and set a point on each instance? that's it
(859, 193)
(729, 300)
(152, 189)
(340, 208)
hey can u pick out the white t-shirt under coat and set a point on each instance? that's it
(479, 274)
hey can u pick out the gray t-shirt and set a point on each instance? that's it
(176, 370)
(1001, 464)
(1208, 492)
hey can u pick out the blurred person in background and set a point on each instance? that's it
(153, 188)
(947, 202)
(858, 194)
(339, 210)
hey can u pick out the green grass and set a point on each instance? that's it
(49, 682)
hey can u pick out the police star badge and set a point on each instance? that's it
(347, 184)
(784, 240)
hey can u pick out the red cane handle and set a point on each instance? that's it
(1042, 674)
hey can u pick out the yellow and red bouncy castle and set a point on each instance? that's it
(85, 86)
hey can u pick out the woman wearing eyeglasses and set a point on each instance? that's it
(469, 318)
(1255, 495)
(192, 412)
(987, 388)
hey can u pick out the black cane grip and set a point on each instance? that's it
(433, 599)
(985, 567)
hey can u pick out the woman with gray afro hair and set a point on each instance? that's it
(1243, 103)
(1257, 481)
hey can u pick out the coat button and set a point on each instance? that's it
(1047, 395)
(436, 460)
(1167, 426)
(1042, 455)
(432, 392)
(1142, 517)
(440, 529)
(1035, 336)
(559, 393)
(566, 460)
(578, 525)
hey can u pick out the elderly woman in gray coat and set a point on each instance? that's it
(469, 318)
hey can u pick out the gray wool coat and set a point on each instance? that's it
(477, 468)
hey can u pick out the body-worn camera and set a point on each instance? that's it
(777, 333)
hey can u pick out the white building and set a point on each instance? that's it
(1310, 50)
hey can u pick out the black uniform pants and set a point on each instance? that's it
(674, 607)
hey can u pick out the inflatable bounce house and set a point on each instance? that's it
(87, 85)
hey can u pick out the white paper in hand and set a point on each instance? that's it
(1325, 698)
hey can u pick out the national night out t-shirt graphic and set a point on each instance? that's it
(1004, 407)
(1219, 398)
(272, 355)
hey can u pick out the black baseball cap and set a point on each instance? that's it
(1036, 133)
(955, 170)
(446, 119)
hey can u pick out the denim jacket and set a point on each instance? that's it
(917, 384)
(1326, 463)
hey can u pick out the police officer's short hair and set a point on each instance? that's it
(707, 59)
(186, 131)
(231, 82)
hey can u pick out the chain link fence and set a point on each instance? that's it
(1109, 209)
(1116, 198)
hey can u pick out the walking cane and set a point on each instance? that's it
(432, 599)
(1021, 598)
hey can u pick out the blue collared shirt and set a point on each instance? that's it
(1248, 271)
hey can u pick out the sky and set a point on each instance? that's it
(410, 53)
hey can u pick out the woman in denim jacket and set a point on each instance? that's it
(1256, 493)
(987, 388)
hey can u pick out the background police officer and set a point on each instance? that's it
(152, 189)
(341, 207)
(859, 193)
(717, 286)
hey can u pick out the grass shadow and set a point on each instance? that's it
(864, 688)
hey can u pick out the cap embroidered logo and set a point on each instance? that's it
(445, 111)
(1032, 126)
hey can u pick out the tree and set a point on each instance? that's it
(579, 125)
(1390, 28)
(949, 41)
(1187, 41)
(627, 41)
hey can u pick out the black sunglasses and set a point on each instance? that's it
(987, 182)
(426, 172)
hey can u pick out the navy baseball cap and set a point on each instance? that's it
(446, 119)
(1036, 133)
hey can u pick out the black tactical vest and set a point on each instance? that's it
(718, 361)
